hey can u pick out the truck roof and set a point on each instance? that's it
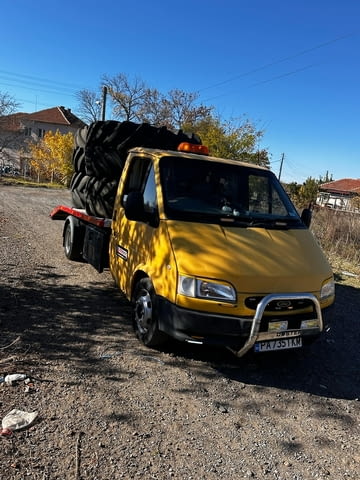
(175, 153)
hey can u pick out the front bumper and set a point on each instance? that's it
(238, 334)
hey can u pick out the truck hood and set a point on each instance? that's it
(253, 260)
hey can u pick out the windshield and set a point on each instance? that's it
(204, 191)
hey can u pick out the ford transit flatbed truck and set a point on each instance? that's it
(208, 251)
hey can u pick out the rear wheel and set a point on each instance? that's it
(145, 312)
(73, 239)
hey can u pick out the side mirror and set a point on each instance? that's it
(134, 206)
(306, 217)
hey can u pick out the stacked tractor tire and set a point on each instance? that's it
(99, 157)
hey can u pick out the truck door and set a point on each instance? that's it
(131, 241)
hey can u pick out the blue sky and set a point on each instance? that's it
(292, 68)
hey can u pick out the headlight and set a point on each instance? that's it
(198, 288)
(327, 290)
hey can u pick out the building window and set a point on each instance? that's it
(27, 131)
(41, 132)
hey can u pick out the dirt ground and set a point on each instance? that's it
(110, 408)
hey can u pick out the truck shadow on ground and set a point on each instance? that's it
(63, 323)
(83, 324)
(330, 367)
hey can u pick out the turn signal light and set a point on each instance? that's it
(192, 148)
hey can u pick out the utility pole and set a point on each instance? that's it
(103, 102)
(281, 165)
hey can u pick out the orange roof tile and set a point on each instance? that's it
(346, 185)
(55, 115)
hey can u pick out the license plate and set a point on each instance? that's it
(278, 344)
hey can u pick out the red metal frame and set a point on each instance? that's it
(62, 211)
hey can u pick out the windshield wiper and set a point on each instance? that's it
(275, 223)
(235, 220)
(250, 221)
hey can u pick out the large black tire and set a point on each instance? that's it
(78, 159)
(73, 239)
(109, 133)
(108, 142)
(101, 162)
(79, 188)
(80, 137)
(99, 157)
(100, 197)
(145, 315)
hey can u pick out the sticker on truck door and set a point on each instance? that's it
(121, 252)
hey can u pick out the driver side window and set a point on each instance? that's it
(137, 175)
(150, 198)
(141, 179)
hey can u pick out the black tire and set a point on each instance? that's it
(145, 313)
(100, 197)
(99, 157)
(78, 159)
(77, 201)
(103, 162)
(81, 136)
(109, 132)
(79, 188)
(74, 182)
(73, 239)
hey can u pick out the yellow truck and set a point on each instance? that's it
(208, 251)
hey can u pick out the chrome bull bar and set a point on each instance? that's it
(260, 309)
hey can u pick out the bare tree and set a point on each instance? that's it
(175, 110)
(154, 110)
(182, 109)
(127, 95)
(10, 136)
(8, 104)
(133, 100)
(89, 105)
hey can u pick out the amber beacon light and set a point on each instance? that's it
(192, 148)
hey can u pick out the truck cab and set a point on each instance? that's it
(212, 251)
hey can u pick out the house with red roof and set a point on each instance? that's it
(340, 194)
(18, 129)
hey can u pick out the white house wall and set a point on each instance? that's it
(336, 201)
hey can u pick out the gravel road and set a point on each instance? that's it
(110, 408)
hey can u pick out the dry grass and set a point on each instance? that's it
(27, 182)
(339, 236)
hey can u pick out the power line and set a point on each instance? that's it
(37, 87)
(35, 101)
(281, 60)
(52, 92)
(41, 80)
(295, 171)
(277, 77)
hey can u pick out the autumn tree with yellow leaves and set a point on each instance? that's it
(51, 157)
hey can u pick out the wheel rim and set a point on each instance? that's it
(143, 312)
(67, 240)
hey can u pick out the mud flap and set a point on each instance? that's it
(96, 247)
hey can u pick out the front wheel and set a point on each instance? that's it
(145, 313)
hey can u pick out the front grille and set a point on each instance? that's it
(279, 305)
